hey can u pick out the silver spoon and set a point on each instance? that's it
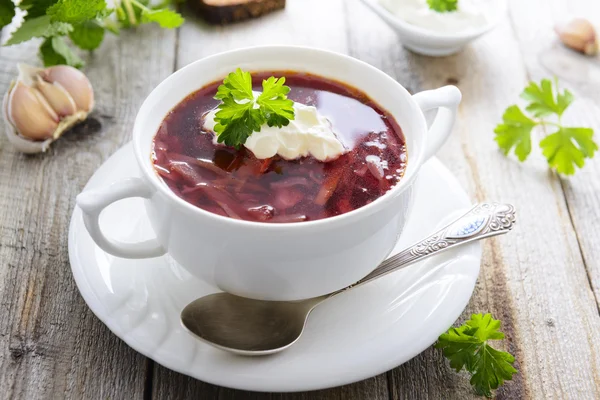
(257, 327)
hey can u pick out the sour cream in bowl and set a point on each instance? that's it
(429, 32)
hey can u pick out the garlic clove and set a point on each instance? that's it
(58, 98)
(580, 35)
(74, 82)
(30, 114)
(42, 104)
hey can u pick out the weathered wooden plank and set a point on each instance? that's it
(295, 25)
(51, 345)
(534, 280)
(546, 57)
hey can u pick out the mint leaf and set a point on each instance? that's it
(38, 27)
(164, 17)
(76, 11)
(443, 5)
(542, 100)
(88, 35)
(568, 147)
(467, 347)
(7, 12)
(55, 51)
(35, 8)
(515, 131)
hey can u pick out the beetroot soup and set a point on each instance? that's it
(235, 183)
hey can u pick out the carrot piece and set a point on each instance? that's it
(265, 164)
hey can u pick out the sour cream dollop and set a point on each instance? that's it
(309, 133)
(471, 14)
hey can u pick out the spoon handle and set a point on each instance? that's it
(482, 221)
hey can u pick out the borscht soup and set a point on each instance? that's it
(341, 152)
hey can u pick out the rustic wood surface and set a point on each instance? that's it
(542, 281)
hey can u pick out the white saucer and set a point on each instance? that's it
(356, 335)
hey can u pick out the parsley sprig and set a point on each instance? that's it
(84, 22)
(565, 148)
(467, 347)
(443, 5)
(241, 112)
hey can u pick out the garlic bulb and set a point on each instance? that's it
(580, 35)
(44, 103)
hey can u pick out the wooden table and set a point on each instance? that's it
(542, 281)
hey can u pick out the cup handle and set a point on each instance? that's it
(446, 99)
(92, 202)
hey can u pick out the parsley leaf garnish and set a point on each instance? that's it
(241, 113)
(443, 5)
(84, 21)
(565, 148)
(467, 347)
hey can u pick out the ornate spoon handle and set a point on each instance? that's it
(483, 220)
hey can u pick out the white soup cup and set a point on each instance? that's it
(287, 261)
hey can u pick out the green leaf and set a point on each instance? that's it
(36, 8)
(88, 35)
(76, 11)
(568, 147)
(239, 105)
(459, 345)
(38, 27)
(515, 131)
(55, 51)
(492, 367)
(7, 12)
(542, 100)
(231, 109)
(237, 84)
(276, 107)
(237, 131)
(466, 347)
(443, 5)
(164, 17)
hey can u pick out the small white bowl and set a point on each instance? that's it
(430, 43)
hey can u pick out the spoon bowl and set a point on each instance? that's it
(247, 326)
(252, 327)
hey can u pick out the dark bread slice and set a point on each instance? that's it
(226, 11)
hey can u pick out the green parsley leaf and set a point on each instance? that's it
(240, 113)
(568, 147)
(88, 35)
(443, 5)
(164, 17)
(278, 109)
(542, 101)
(238, 85)
(36, 8)
(466, 347)
(515, 131)
(7, 12)
(564, 147)
(237, 131)
(76, 11)
(38, 27)
(55, 51)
